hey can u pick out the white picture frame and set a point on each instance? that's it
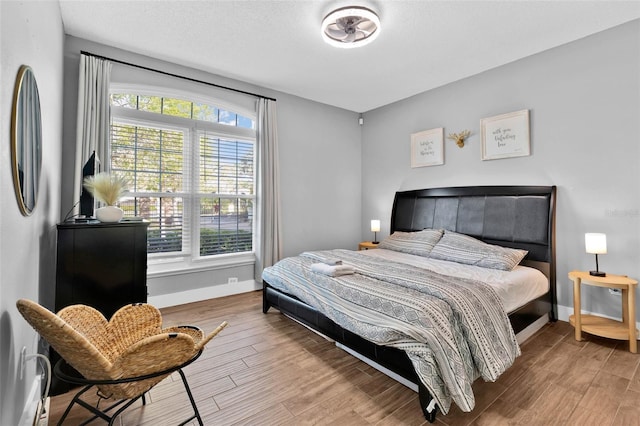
(427, 148)
(505, 135)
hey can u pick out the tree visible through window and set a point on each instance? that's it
(190, 167)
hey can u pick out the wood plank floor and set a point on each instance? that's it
(269, 370)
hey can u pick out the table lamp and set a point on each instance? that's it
(375, 227)
(596, 244)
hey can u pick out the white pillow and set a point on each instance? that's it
(419, 243)
(464, 249)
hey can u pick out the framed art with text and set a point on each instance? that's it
(427, 148)
(505, 135)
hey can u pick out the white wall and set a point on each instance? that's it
(584, 101)
(320, 175)
(30, 33)
(319, 159)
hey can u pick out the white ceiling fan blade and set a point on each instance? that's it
(359, 35)
(367, 26)
(335, 33)
(349, 38)
(340, 24)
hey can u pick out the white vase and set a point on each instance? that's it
(109, 214)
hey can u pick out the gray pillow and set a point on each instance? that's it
(464, 249)
(419, 243)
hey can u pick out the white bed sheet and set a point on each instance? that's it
(515, 288)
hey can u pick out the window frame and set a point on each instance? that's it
(189, 258)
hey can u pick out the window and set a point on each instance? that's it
(190, 168)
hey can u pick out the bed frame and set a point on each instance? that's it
(512, 216)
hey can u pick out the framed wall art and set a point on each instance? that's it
(505, 135)
(427, 148)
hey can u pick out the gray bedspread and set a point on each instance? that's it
(454, 330)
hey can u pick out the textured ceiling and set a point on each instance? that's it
(277, 44)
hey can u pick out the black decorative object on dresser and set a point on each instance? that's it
(103, 265)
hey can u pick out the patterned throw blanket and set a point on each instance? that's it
(454, 330)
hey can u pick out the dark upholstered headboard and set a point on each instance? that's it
(512, 216)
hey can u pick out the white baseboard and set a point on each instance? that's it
(189, 296)
(564, 312)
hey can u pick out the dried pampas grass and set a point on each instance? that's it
(106, 187)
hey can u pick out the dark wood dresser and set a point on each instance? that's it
(103, 265)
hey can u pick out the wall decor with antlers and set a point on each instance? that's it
(459, 137)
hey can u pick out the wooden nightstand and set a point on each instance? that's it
(366, 245)
(605, 327)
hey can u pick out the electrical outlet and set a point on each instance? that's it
(232, 280)
(23, 359)
(615, 291)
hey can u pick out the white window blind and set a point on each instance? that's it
(190, 167)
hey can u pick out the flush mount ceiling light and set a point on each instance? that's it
(350, 27)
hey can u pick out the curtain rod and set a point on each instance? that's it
(175, 75)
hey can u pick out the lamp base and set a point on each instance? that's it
(598, 273)
(375, 242)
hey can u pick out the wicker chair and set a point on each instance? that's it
(123, 357)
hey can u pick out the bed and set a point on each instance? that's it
(518, 218)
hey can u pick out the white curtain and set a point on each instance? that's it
(92, 128)
(269, 229)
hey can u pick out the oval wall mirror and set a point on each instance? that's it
(26, 140)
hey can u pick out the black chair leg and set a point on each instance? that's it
(193, 402)
(122, 404)
(73, 401)
(96, 412)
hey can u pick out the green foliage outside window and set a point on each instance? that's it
(181, 108)
(152, 159)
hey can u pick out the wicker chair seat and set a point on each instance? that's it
(131, 344)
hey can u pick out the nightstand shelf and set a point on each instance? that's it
(605, 327)
(367, 245)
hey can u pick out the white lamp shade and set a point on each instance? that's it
(375, 225)
(595, 243)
